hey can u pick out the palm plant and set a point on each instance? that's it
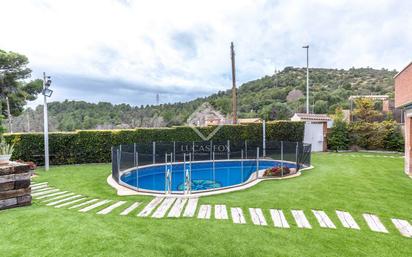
(5, 148)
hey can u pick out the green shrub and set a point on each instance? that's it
(93, 146)
(338, 138)
(383, 135)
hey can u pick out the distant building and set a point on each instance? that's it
(249, 120)
(316, 128)
(403, 99)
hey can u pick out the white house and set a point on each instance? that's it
(316, 128)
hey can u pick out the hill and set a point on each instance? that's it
(272, 97)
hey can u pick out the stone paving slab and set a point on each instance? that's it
(150, 207)
(177, 208)
(279, 219)
(374, 223)
(257, 216)
(130, 208)
(221, 212)
(93, 206)
(63, 200)
(301, 219)
(323, 219)
(164, 207)
(69, 203)
(83, 204)
(347, 220)
(111, 208)
(204, 211)
(237, 216)
(50, 195)
(404, 227)
(191, 207)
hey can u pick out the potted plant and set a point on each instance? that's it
(6, 150)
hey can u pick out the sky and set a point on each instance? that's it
(126, 51)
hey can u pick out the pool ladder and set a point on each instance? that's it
(187, 169)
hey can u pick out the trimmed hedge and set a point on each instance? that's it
(93, 146)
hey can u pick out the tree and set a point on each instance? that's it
(13, 75)
(365, 110)
(321, 106)
(338, 138)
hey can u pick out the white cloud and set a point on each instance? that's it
(182, 47)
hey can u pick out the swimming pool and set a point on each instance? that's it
(204, 176)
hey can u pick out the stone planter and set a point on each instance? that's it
(14, 185)
(5, 159)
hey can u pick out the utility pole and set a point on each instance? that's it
(307, 78)
(9, 115)
(234, 93)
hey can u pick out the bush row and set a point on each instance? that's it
(385, 135)
(91, 146)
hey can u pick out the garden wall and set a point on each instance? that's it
(91, 146)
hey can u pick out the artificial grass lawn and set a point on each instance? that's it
(339, 181)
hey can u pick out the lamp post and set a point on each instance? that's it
(46, 92)
(307, 77)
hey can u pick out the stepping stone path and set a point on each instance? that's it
(171, 207)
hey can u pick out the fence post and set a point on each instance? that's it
(257, 163)
(211, 149)
(214, 175)
(245, 149)
(134, 155)
(137, 171)
(297, 153)
(165, 173)
(264, 138)
(174, 151)
(281, 157)
(241, 165)
(154, 152)
(184, 174)
(193, 149)
(228, 149)
(119, 159)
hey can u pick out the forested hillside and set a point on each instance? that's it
(272, 97)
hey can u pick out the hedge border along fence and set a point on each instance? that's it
(93, 146)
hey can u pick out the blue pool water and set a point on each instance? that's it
(227, 173)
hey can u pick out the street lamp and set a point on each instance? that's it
(307, 77)
(46, 92)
